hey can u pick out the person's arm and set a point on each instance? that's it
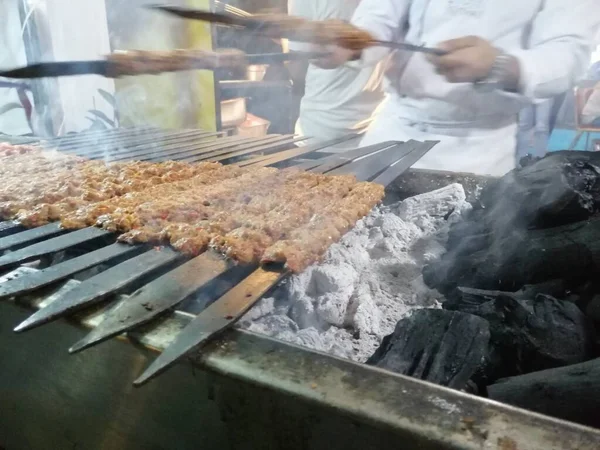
(558, 54)
(385, 20)
(561, 43)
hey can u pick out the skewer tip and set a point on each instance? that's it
(33, 321)
(144, 378)
(23, 326)
(163, 362)
(82, 345)
(157, 7)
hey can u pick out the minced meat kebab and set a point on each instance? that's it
(261, 215)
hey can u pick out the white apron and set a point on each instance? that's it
(479, 151)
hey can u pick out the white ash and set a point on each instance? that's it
(368, 281)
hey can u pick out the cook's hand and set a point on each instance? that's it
(337, 56)
(469, 59)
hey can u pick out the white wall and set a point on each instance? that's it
(12, 54)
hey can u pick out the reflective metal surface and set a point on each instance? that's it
(243, 392)
(54, 401)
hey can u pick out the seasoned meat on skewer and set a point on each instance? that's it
(252, 216)
(326, 32)
(68, 189)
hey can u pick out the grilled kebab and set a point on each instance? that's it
(250, 215)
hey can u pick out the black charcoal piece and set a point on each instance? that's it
(553, 288)
(535, 224)
(533, 335)
(470, 299)
(592, 309)
(570, 393)
(570, 252)
(562, 188)
(439, 346)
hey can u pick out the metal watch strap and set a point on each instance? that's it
(498, 75)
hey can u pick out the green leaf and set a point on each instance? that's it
(9, 107)
(108, 97)
(102, 116)
(97, 124)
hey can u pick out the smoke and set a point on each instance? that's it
(507, 241)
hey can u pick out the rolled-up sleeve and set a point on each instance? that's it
(384, 19)
(560, 45)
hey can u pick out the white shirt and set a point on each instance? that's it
(338, 101)
(552, 39)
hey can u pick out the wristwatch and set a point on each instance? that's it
(499, 75)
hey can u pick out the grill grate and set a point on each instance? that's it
(160, 279)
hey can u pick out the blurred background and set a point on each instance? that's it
(55, 30)
(256, 101)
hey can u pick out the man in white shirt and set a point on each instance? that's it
(501, 57)
(340, 101)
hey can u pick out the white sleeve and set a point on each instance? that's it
(560, 46)
(384, 19)
(300, 8)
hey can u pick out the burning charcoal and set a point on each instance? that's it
(532, 335)
(440, 346)
(570, 252)
(562, 188)
(273, 325)
(528, 160)
(303, 313)
(473, 225)
(413, 182)
(553, 288)
(471, 299)
(439, 203)
(530, 229)
(593, 309)
(583, 294)
(570, 393)
(262, 308)
(333, 285)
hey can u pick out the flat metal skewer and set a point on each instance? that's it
(150, 63)
(215, 319)
(258, 26)
(155, 298)
(108, 283)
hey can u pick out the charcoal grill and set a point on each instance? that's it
(381, 163)
(81, 270)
